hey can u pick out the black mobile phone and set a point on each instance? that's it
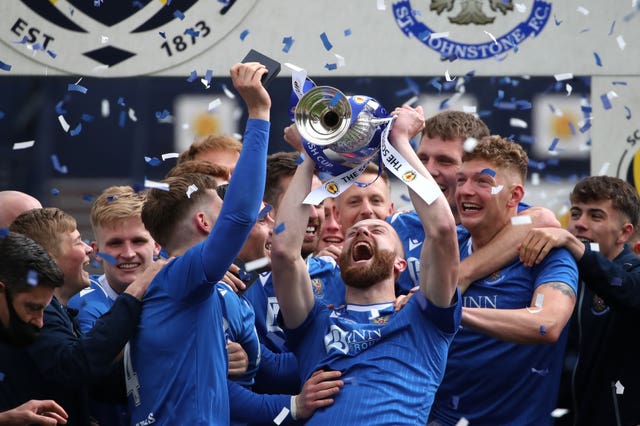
(273, 66)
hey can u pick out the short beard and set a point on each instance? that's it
(363, 276)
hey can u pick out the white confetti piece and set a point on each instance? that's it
(340, 61)
(521, 8)
(568, 88)
(228, 93)
(496, 189)
(603, 169)
(539, 300)
(583, 10)
(516, 122)
(100, 69)
(619, 388)
(168, 155)
(447, 76)
(104, 39)
(374, 314)
(191, 189)
(237, 136)
(293, 67)
(594, 246)
(463, 422)
(469, 144)
(23, 145)
(535, 179)
(611, 94)
(469, 109)
(257, 264)
(214, 104)
(563, 76)
(104, 108)
(492, 37)
(521, 220)
(281, 416)
(132, 115)
(380, 5)
(559, 412)
(63, 123)
(205, 83)
(435, 36)
(156, 185)
(621, 43)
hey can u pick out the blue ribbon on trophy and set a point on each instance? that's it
(343, 133)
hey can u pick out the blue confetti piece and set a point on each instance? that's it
(572, 128)
(586, 126)
(37, 46)
(191, 32)
(540, 372)
(153, 161)
(112, 198)
(77, 130)
(208, 76)
(554, 144)
(616, 282)
(522, 104)
(424, 35)
(192, 77)
(538, 165)
(2, 114)
(107, 258)
(435, 83)
(325, 41)
(299, 159)
(55, 192)
(331, 67)
(405, 197)
(586, 109)
(511, 137)
(444, 104)
(121, 101)
(598, 60)
(76, 88)
(278, 229)
(619, 83)
(606, 103)
(527, 139)
(178, 14)
(613, 25)
(87, 118)
(32, 278)
(137, 4)
(23, 41)
(347, 32)
(264, 212)
(160, 115)
(59, 109)
(57, 166)
(334, 101)
(586, 30)
(5, 67)
(88, 198)
(163, 35)
(52, 54)
(288, 42)
(122, 118)
(4, 232)
(626, 108)
(244, 34)
(556, 20)
(543, 330)
(489, 172)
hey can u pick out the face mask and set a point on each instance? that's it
(19, 332)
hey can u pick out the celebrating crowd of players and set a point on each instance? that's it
(474, 306)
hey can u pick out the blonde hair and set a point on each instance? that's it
(115, 204)
(45, 226)
(199, 166)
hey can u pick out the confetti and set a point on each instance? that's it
(278, 229)
(347, 32)
(4, 232)
(23, 145)
(521, 220)
(521, 8)
(120, 101)
(543, 373)
(281, 416)
(257, 264)
(152, 161)
(264, 212)
(325, 41)
(340, 60)
(556, 20)
(613, 25)
(191, 189)
(563, 76)
(156, 185)
(535, 179)
(447, 76)
(331, 67)
(63, 123)
(56, 165)
(32, 278)
(244, 34)
(169, 155)
(597, 58)
(107, 258)
(87, 118)
(469, 144)
(594, 246)
(163, 35)
(5, 67)
(191, 32)
(492, 37)
(162, 114)
(104, 108)
(55, 192)
(228, 93)
(288, 42)
(559, 412)
(52, 53)
(214, 104)
(122, 119)
(621, 43)
(616, 282)
(104, 39)
(516, 122)
(628, 111)
(463, 422)
(77, 130)
(619, 388)
(582, 10)
(489, 172)
(178, 14)
(76, 88)
(380, 5)
(192, 77)
(435, 36)
(496, 189)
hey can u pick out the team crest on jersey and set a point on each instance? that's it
(598, 306)
(318, 290)
(331, 188)
(409, 176)
(381, 320)
(499, 19)
(113, 38)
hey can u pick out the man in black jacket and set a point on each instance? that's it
(605, 385)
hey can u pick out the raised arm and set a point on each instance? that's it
(439, 258)
(246, 188)
(291, 280)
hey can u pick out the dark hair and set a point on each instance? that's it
(502, 153)
(624, 197)
(279, 165)
(163, 211)
(449, 125)
(24, 263)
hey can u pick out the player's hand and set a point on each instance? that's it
(293, 138)
(238, 359)
(139, 286)
(409, 122)
(317, 392)
(402, 300)
(331, 251)
(247, 81)
(231, 279)
(47, 413)
(539, 242)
